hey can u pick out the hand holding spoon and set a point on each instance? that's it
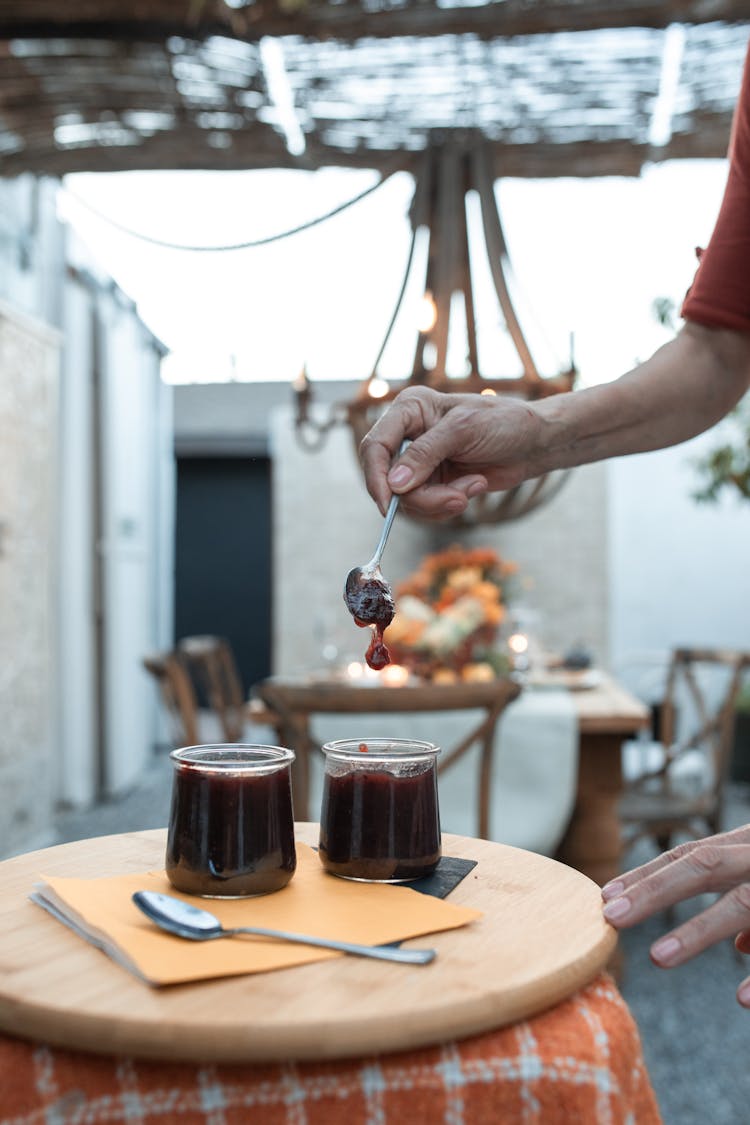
(188, 921)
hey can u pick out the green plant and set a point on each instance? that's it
(727, 465)
(742, 699)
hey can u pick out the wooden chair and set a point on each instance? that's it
(178, 696)
(683, 794)
(211, 664)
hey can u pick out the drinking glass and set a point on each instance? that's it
(231, 823)
(380, 820)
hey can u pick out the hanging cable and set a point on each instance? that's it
(399, 301)
(251, 244)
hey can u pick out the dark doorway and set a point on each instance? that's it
(223, 556)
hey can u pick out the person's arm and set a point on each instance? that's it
(719, 864)
(463, 445)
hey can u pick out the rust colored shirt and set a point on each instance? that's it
(720, 294)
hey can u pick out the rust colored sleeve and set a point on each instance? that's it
(720, 294)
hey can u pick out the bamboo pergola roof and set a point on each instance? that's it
(557, 87)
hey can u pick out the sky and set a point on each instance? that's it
(589, 259)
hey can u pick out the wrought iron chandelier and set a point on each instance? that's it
(448, 172)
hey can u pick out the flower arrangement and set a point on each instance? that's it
(448, 613)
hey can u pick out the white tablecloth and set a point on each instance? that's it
(534, 772)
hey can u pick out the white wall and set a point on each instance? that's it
(117, 535)
(29, 377)
(111, 595)
(32, 247)
(77, 721)
(679, 570)
(127, 546)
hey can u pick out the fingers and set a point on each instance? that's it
(628, 879)
(707, 867)
(376, 457)
(742, 941)
(720, 920)
(616, 887)
(442, 501)
(410, 414)
(461, 445)
(719, 863)
(743, 993)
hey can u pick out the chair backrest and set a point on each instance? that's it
(699, 702)
(212, 666)
(177, 695)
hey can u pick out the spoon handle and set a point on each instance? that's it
(389, 516)
(378, 952)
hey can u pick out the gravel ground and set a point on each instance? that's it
(695, 1036)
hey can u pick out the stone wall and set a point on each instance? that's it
(28, 422)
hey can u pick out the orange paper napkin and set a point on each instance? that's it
(315, 903)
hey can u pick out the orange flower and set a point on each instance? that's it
(447, 598)
(454, 572)
(494, 614)
(486, 591)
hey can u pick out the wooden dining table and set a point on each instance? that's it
(289, 704)
(504, 1025)
(607, 715)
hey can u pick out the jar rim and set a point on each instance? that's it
(234, 757)
(380, 749)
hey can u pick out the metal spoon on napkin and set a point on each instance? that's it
(188, 921)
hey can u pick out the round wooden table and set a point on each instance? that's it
(343, 1039)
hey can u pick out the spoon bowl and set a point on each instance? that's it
(191, 922)
(368, 596)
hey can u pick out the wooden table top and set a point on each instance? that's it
(607, 707)
(347, 696)
(541, 937)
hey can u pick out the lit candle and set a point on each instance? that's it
(377, 387)
(427, 314)
(518, 643)
(301, 383)
(394, 675)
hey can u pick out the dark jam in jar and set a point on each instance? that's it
(380, 826)
(230, 833)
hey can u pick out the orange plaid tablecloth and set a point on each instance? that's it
(579, 1062)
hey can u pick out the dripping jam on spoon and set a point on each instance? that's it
(368, 596)
(369, 600)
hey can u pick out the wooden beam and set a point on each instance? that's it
(187, 148)
(320, 19)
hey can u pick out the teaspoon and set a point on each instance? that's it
(367, 594)
(188, 921)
